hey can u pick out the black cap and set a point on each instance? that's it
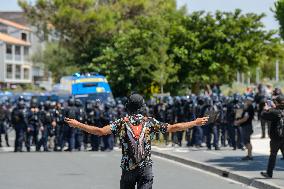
(135, 103)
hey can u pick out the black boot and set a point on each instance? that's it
(266, 175)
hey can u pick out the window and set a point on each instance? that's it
(26, 73)
(9, 71)
(24, 36)
(26, 53)
(3, 28)
(9, 51)
(18, 53)
(90, 84)
(18, 72)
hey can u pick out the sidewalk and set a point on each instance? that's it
(227, 163)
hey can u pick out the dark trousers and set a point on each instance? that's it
(232, 135)
(275, 146)
(4, 130)
(70, 138)
(20, 134)
(29, 140)
(197, 136)
(188, 137)
(6, 139)
(263, 127)
(143, 177)
(58, 137)
(209, 130)
(224, 134)
(78, 139)
(43, 140)
(95, 142)
(35, 135)
(240, 139)
(179, 137)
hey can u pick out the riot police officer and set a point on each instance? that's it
(48, 122)
(60, 114)
(4, 123)
(81, 116)
(169, 118)
(197, 135)
(19, 122)
(179, 117)
(53, 125)
(94, 118)
(108, 115)
(160, 112)
(189, 112)
(34, 124)
(69, 133)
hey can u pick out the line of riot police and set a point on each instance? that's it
(41, 124)
(220, 131)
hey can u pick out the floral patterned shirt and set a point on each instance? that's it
(135, 133)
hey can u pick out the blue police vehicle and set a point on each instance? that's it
(89, 86)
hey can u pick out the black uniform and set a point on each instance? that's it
(34, 124)
(19, 122)
(276, 142)
(4, 123)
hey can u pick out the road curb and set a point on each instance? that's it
(218, 171)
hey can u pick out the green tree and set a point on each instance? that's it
(138, 58)
(212, 48)
(145, 43)
(116, 37)
(279, 14)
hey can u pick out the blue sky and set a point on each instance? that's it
(256, 6)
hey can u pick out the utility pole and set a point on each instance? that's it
(277, 71)
(257, 76)
(238, 77)
(248, 78)
(243, 78)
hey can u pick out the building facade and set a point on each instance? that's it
(15, 25)
(15, 64)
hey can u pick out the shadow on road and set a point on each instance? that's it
(236, 164)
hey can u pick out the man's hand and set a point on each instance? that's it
(72, 122)
(201, 121)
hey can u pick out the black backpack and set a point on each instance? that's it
(280, 125)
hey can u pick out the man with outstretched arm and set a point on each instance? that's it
(135, 132)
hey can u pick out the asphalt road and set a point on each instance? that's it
(99, 170)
